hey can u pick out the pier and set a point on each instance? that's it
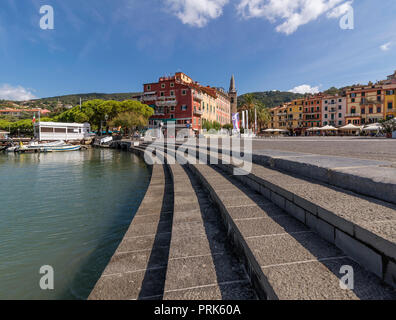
(282, 231)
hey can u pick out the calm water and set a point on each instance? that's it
(66, 210)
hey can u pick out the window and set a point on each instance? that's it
(172, 85)
(326, 116)
(172, 93)
(340, 115)
(363, 110)
(353, 95)
(390, 92)
(339, 107)
(47, 130)
(339, 123)
(390, 105)
(370, 110)
(162, 85)
(148, 87)
(184, 92)
(60, 130)
(172, 108)
(184, 108)
(379, 92)
(339, 100)
(379, 98)
(353, 100)
(363, 94)
(379, 109)
(162, 94)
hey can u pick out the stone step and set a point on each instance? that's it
(257, 225)
(137, 269)
(372, 178)
(363, 227)
(201, 265)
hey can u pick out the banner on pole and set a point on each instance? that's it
(235, 121)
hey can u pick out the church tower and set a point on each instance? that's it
(233, 94)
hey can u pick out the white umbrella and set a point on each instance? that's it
(269, 130)
(313, 129)
(280, 130)
(372, 128)
(328, 128)
(349, 127)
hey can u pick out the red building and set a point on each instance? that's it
(176, 99)
(312, 115)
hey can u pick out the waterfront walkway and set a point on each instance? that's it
(270, 234)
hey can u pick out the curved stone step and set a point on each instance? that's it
(286, 259)
(363, 227)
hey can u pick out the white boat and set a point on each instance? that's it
(62, 148)
(57, 146)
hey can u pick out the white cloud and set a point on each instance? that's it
(305, 88)
(196, 13)
(386, 46)
(291, 14)
(340, 10)
(18, 93)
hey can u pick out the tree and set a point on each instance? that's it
(263, 117)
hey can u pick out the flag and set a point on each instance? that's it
(235, 121)
(34, 118)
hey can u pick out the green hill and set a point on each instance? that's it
(74, 99)
(271, 98)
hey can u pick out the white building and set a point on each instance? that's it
(55, 131)
(333, 111)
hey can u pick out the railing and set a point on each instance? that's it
(166, 103)
(352, 115)
(198, 112)
(198, 96)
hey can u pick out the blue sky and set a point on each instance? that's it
(116, 46)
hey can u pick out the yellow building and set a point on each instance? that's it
(365, 104)
(389, 101)
(295, 115)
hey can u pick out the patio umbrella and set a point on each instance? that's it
(313, 129)
(328, 128)
(372, 128)
(350, 127)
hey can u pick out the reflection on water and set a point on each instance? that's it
(68, 210)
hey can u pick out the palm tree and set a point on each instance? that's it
(251, 104)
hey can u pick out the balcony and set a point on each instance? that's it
(198, 96)
(149, 98)
(350, 115)
(170, 103)
(198, 112)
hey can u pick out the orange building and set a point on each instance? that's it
(312, 116)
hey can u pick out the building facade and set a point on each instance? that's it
(312, 116)
(223, 107)
(333, 110)
(181, 99)
(174, 99)
(56, 131)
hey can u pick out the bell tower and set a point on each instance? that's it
(233, 94)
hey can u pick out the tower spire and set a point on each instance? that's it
(232, 84)
(232, 93)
